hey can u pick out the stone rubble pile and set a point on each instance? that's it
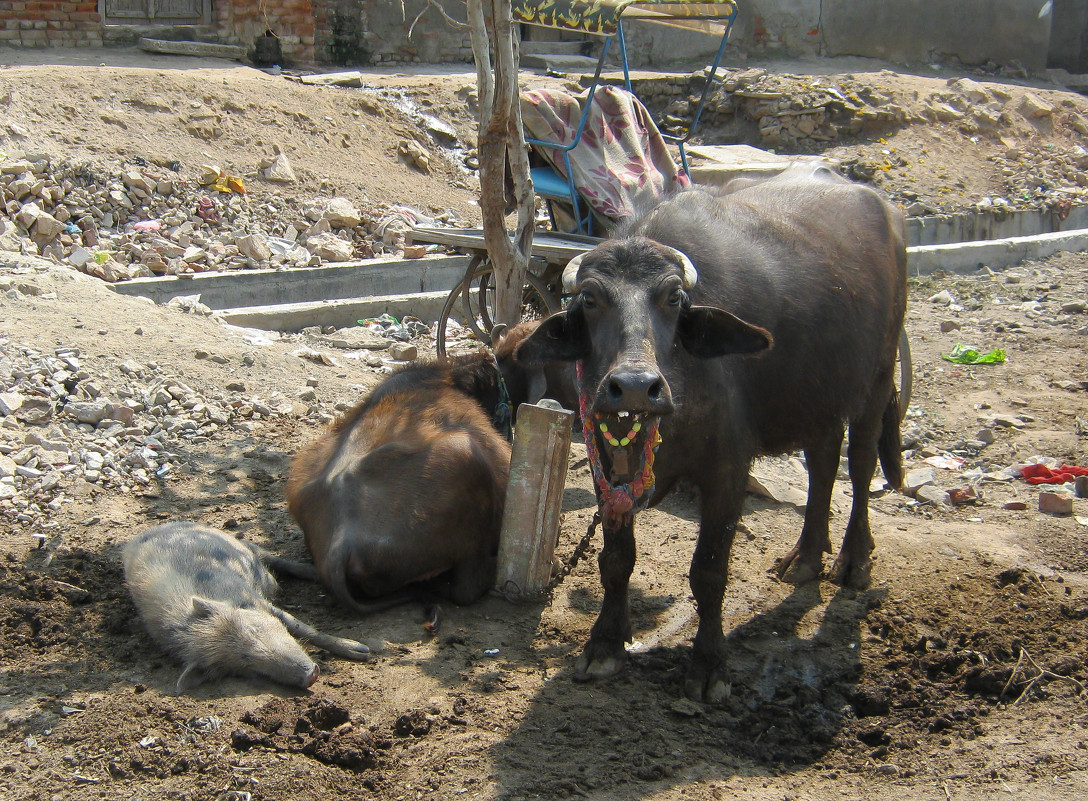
(800, 114)
(147, 221)
(70, 425)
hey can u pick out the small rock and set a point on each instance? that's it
(341, 213)
(10, 402)
(1015, 506)
(933, 495)
(949, 325)
(1054, 503)
(254, 246)
(944, 298)
(413, 153)
(278, 170)
(917, 478)
(330, 247)
(403, 352)
(415, 251)
(1074, 307)
(1033, 107)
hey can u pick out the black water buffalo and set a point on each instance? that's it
(749, 322)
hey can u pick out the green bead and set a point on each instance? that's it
(636, 427)
(604, 428)
(625, 442)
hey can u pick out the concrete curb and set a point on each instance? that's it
(964, 257)
(339, 313)
(338, 295)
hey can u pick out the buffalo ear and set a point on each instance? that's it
(560, 338)
(709, 332)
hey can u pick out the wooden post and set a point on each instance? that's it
(534, 498)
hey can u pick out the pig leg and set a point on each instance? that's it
(804, 562)
(604, 654)
(722, 504)
(348, 649)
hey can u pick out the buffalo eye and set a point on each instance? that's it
(676, 297)
(589, 301)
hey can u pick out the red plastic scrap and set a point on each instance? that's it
(1041, 474)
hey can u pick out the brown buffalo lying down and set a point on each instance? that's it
(409, 486)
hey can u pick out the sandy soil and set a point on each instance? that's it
(959, 674)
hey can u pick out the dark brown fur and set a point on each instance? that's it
(407, 487)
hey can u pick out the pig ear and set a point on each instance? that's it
(203, 608)
(191, 677)
(709, 332)
(560, 338)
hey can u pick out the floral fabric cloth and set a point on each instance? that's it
(621, 164)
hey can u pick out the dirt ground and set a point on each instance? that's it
(959, 674)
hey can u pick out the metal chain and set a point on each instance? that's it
(515, 595)
(579, 551)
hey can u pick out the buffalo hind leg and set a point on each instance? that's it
(805, 561)
(604, 654)
(706, 679)
(853, 565)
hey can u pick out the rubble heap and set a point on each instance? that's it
(148, 220)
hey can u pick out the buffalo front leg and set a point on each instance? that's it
(706, 677)
(604, 654)
(805, 560)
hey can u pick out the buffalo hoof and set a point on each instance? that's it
(706, 684)
(853, 573)
(600, 661)
(797, 569)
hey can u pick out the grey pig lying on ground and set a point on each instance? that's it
(204, 596)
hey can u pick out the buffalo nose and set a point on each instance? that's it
(638, 391)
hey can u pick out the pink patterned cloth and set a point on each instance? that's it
(621, 165)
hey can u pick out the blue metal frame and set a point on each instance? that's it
(584, 222)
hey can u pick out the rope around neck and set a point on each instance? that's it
(502, 417)
(618, 504)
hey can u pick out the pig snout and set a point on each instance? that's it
(309, 680)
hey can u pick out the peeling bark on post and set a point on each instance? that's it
(501, 143)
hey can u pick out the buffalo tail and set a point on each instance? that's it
(890, 445)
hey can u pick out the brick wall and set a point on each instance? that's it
(27, 23)
(242, 21)
(347, 32)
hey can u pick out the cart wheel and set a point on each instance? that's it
(476, 295)
(906, 378)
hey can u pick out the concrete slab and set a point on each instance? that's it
(352, 78)
(307, 284)
(340, 313)
(200, 49)
(965, 257)
(726, 162)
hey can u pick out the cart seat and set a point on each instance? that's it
(604, 157)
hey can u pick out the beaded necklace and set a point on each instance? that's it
(617, 504)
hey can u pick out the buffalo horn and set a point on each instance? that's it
(570, 273)
(691, 275)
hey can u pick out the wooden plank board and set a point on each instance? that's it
(546, 244)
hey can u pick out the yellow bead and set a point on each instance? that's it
(636, 427)
(625, 442)
(604, 428)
